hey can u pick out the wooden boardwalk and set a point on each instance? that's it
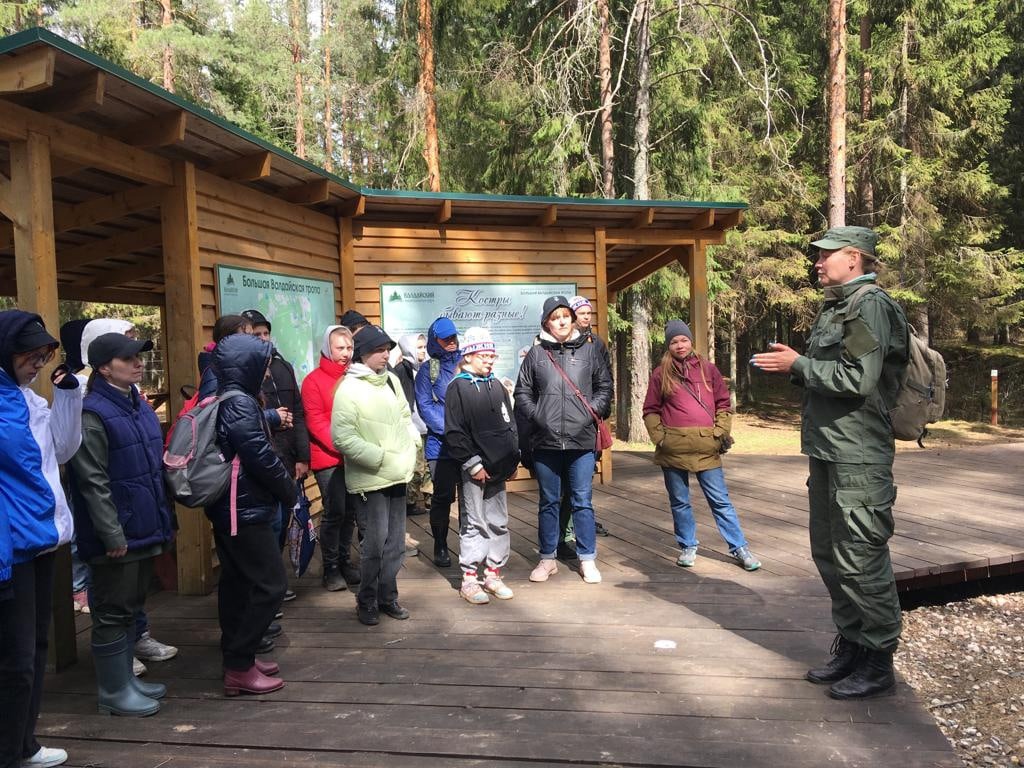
(657, 666)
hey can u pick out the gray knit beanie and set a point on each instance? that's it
(675, 328)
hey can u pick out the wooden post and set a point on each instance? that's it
(995, 398)
(347, 263)
(183, 310)
(601, 276)
(698, 271)
(36, 264)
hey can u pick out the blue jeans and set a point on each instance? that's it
(712, 483)
(577, 467)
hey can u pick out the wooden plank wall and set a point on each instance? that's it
(246, 228)
(441, 254)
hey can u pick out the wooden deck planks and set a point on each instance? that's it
(568, 673)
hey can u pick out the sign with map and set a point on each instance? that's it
(511, 311)
(299, 309)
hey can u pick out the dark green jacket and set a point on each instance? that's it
(850, 372)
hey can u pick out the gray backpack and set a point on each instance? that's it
(921, 397)
(195, 470)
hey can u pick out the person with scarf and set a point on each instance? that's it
(482, 437)
(687, 414)
(34, 520)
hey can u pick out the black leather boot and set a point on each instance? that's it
(845, 656)
(874, 676)
(442, 559)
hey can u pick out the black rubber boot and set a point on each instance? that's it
(442, 558)
(115, 693)
(333, 581)
(152, 690)
(874, 676)
(845, 656)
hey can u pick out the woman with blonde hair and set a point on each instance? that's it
(687, 414)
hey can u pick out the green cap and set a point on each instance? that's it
(861, 238)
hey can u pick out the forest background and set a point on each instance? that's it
(904, 115)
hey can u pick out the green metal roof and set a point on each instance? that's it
(14, 42)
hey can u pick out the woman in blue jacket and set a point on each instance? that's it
(34, 521)
(122, 516)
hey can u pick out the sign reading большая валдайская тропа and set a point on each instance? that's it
(511, 311)
(299, 309)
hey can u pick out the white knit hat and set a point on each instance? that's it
(477, 340)
(579, 301)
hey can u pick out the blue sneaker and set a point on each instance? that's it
(747, 560)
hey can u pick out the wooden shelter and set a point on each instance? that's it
(114, 190)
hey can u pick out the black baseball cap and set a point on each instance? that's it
(110, 345)
(255, 317)
(32, 336)
(369, 338)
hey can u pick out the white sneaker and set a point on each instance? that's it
(138, 668)
(544, 569)
(46, 757)
(149, 648)
(589, 572)
(495, 586)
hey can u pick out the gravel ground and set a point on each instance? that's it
(965, 659)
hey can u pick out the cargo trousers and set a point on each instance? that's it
(850, 526)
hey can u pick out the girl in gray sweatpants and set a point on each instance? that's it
(481, 437)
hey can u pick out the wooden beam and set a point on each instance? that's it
(353, 208)
(703, 220)
(140, 270)
(310, 193)
(643, 219)
(619, 277)
(729, 220)
(83, 146)
(244, 168)
(184, 312)
(650, 237)
(63, 169)
(443, 212)
(601, 274)
(108, 208)
(111, 247)
(347, 262)
(78, 292)
(81, 93)
(161, 130)
(697, 266)
(28, 72)
(7, 207)
(548, 217)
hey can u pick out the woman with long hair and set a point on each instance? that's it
(688, 415)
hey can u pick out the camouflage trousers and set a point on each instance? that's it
(850, 526)
(421, 486)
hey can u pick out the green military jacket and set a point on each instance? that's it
(850, 374)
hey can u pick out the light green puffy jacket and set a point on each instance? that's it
(371, 426)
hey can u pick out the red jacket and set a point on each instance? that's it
(317, 400)
(681, 408)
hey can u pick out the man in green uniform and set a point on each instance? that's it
(856, 355)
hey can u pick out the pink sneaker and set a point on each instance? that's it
(544, 569)
(81, 601)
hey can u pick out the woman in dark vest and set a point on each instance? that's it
(122, 517)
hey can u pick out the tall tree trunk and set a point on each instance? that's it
(836, 100)
(296, 21)
(168, 54)
(640, 317)
(867, 187)
(431, 150)
(327, 32)
(604, 56)
(914, 274)
(623, 339)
